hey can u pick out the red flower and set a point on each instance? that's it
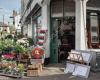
(37, 52)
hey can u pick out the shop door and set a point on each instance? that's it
(54, 41)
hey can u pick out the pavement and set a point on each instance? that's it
(55, 72)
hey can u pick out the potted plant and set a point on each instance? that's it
(8, 45)
(21, 68)
(21, 50)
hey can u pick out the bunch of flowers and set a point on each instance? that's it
(8, 56)
(37, 53)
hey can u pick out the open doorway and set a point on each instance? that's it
(66, 37)
(62, 30)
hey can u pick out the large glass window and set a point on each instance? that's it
(94, 28)
(36, 26)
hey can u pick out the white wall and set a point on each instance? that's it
(46, 25)
(29, 30)
(80, 33)
(25, 29)
(17, 20)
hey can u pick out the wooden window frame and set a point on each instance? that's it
(89, 42)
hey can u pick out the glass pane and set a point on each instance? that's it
(94, 28)
(39, 22)
(34, 26)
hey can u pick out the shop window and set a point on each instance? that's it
(37, 25)
(93, 29)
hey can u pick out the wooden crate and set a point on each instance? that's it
(39, 66)
(34, 72)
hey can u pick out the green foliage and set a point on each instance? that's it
(8, 43)
(31, 42)
(19, 48)
(1, 45)
(21, 68)
(9, 36)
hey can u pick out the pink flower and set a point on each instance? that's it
(8, 56)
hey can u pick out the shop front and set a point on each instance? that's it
(75, 24)
(36, 22)
(93, 29)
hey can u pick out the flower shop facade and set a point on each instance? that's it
(69, 24)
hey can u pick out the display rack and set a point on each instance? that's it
(78, 63)
(77, 58)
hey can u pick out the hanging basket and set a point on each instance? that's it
(37, 53)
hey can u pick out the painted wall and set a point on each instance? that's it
(25, 29)
(46, 26)
(17, 22)
(29, 30)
